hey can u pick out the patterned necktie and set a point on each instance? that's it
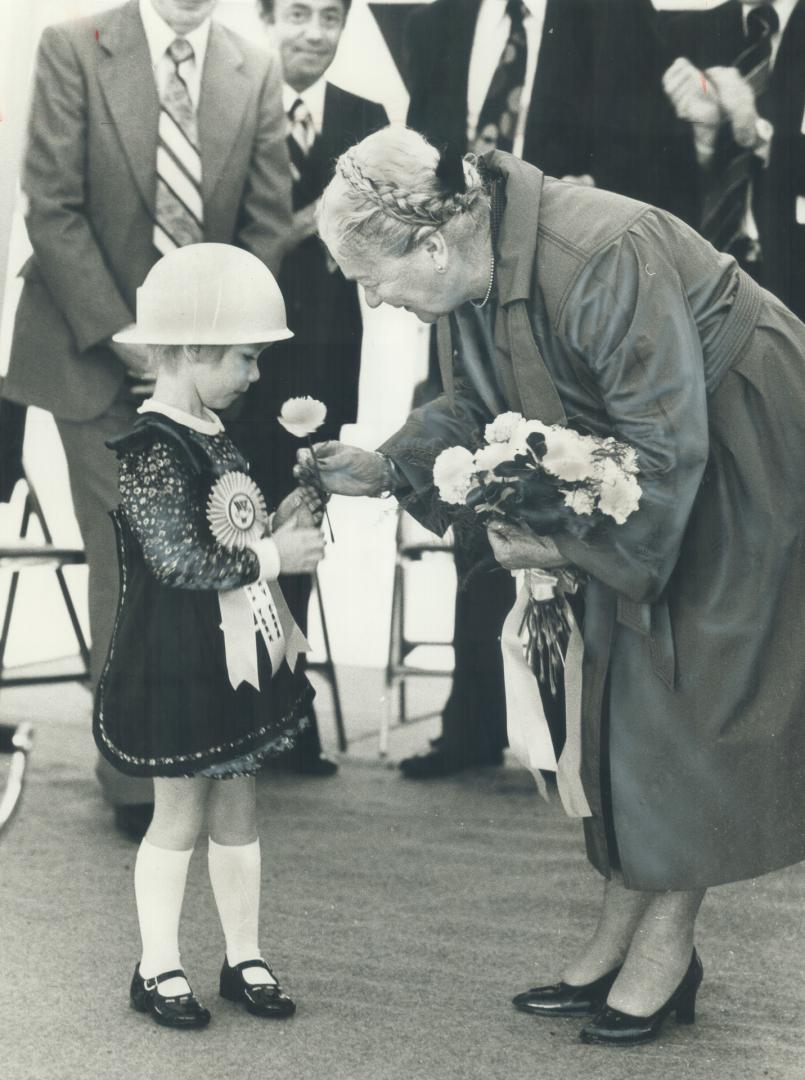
(497, 122)
(179, 213)
(301, 136)
(725, 200)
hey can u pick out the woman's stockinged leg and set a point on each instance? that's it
(160, 874)
(235, 869)
(659, 954)
(621, 912)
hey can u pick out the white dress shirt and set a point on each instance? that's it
(160, 37)
(491, 34)
(313, 98)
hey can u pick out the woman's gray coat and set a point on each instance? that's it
(617, 317)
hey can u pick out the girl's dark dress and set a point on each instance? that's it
(165, 705)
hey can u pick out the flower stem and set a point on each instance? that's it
(322, 488)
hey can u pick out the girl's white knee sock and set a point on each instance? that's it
(159, 883)
(235, 879)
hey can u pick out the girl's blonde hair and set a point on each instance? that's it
(390, 192)
(170, 356)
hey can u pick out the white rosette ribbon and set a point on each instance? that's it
(237, 515)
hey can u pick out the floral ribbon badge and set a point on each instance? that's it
(236, 511)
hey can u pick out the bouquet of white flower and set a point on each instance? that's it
(549, 479)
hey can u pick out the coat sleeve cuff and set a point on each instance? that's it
(268, 556)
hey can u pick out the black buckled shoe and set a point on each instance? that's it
(562, 999)
(181, 1011)
(261, 999)
(614, 1028)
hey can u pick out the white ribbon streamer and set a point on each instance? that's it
(258, 608)
(528, 731)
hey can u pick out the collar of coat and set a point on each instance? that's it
(517, 242)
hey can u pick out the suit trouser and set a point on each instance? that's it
(94, 487)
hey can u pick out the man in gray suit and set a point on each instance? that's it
(151, 127)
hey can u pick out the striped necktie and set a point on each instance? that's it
(497, 122)
(301, 136)
(179, 212)
(727, 194)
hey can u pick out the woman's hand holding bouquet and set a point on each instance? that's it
(529, 482)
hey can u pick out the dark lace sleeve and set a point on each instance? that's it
(166, 512)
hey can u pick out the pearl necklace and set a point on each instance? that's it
(482, 303)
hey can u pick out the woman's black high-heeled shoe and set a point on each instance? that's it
(180, 1011)
(261, 999)
(614, 1028)
(562, 999)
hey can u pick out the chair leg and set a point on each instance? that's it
(403, 648)
(12, 588)
(33, 508)
(329, 671)
(83, 648)
(395, 659)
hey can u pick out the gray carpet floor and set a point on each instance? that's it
(400, 916)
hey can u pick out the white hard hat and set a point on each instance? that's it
(208, 294)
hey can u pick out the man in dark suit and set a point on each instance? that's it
(635, 144)
(453, 52)
(151, 127)
(739, 83)
(323, 358)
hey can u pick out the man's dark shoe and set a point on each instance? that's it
(132, 820)
(435, 764)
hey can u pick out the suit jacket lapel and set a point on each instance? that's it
(785, 75)
(459, 39)
(225, 93)
(334, 121)
(128, 84)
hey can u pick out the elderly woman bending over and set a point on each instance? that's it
(574, 305)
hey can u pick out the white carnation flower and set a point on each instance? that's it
(489, 457)
(620, 494)
(579, 501)
(502, 427)
(302, 416)
(518, 443)
(569, 455)
(454, 475)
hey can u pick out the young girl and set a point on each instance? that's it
(191, 694)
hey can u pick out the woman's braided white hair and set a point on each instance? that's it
(391, 189)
